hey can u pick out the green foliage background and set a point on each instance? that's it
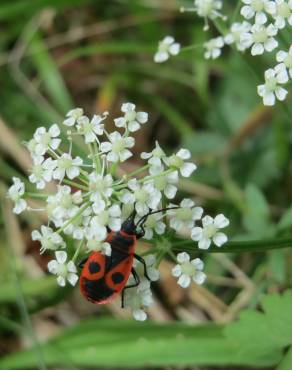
(57, 54)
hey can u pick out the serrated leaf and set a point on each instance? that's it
(265, 331)
(286, 363)
(113, 343)
(286, 219)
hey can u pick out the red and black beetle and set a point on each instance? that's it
(104, 277)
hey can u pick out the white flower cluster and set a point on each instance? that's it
(91, 199)
(206, 9)
(260, 31)
(166, 48)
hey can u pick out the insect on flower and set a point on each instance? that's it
(105, 212)
(104, 277)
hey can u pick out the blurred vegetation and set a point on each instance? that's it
(58, 54)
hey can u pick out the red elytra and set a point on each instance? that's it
(104, 277)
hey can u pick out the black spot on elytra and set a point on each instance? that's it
(94, 267)
(97, 290)
(117, 277)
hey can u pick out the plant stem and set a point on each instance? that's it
(36, 195)
(76, 254)
(236, 246)
(164, 173)
(139, 170)
(75, 184)
(74, 218)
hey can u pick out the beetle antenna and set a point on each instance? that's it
(144, 218)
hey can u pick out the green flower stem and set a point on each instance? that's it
(136, 172)
(221, 26)
(159, 257)
(235, 246)
(113, 169)
(76, 254)
(83, 180)
(97, 158)
(172, 256)
(53, 154)
(36, 195)
(191, 47)
(85, 174)
(94, 156)
(164, 173)
(152, 250)
(73, 219)
(75, 184)
(236, 12)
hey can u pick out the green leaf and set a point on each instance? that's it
(204, 142)
(263, 332)
(286, 219)
(286, 363)
(257, 215)
(114, 343)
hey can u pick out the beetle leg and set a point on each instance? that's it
(137, 282)
(141, 233)
(82, 262)
(141, 259)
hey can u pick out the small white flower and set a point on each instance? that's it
(167, 183)
(31, 147)
(90, 129)
(77, 228)
(261, 38)
(255, 8)
(15, 193)
(42, 171)
(154, 157)
(177, 161)
(94, 245)
(166, 47)
(64, 271)
(138, 298)
(144, 196)
(207, 9)
(234, 36)
(187, 270)
(48, 239)
(132, 119)
(281, 11)
(271, 89)
(286, 59)
(110, 217)
(72, 116)
(117, 148)
(185, 215)
(66, 165)
(100, 186)
(213, 47)
(154, 224)
(64, 204)
(45, 140)
(210, 231)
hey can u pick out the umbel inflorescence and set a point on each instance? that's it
(90, 199)
(262, 29)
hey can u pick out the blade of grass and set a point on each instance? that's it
(50, 75)
(37, 351)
